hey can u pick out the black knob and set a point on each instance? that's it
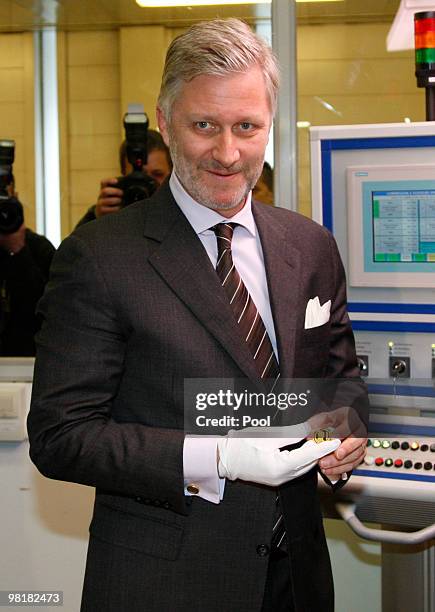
(362, 365)
(399, 366)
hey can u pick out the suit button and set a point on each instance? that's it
(262, 550)
(139, 499)
(166, 505)
(157, 503)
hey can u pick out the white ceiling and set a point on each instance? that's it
(19, 15)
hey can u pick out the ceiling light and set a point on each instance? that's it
(174, 3)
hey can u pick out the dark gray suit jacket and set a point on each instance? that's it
(133, 308)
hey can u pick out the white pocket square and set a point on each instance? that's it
(316, 315)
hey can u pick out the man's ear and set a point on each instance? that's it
(163, 126)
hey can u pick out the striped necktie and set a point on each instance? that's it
(253, 331)
(247, 316)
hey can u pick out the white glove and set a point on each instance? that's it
(258, 459)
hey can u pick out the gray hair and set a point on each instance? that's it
(218, 47)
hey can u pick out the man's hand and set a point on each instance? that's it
(13, 243)
(343, 421)
(259, 459)
(345, 459)
(346, 425)
(109, 199)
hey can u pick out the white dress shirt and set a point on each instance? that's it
(200, 453)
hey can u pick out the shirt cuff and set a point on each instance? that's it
(201, 478)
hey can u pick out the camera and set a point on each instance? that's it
(137, 185)
(11, 210)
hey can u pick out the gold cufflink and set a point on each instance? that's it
(192, 489)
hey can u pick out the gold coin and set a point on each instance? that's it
(322, 435)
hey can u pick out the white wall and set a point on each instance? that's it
(43, 529)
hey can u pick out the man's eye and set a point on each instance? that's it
(245, 126)
(203, 125)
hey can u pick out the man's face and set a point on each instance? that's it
(217, 134)
(157, 166)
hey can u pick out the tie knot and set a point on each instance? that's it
(224, 235)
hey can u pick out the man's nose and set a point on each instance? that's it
(226, 150)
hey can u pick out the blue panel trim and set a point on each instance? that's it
(391, 142)
(329, 145)
(406, 430)
(396, 308)
(327, 190)
(394, 475)
(397, 326)
(407, 390)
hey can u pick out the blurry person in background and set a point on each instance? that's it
(263, 190)
(158, 167)
(25, 259)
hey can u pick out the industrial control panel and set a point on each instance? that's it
(373, 186)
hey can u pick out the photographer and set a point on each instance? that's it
(25, 259)
(158, 167)
(263, 190)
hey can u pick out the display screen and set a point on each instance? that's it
(403, 226)
(391, 225)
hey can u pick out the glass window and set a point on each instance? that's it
(347, 76)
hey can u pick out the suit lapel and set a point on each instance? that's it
(282, 263)
(183, 263)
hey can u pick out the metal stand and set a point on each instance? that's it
(408, 562)
(430, 103)
(408, 577)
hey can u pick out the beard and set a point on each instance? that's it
(191, 176)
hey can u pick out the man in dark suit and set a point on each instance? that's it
(135, 306)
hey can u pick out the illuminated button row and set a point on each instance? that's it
(402, 445)
(398, 463)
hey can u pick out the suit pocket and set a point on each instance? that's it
(152, 536)
(316, 335)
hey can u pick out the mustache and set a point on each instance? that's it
(216, 167)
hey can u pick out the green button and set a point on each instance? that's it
(385, 444)
(388, 462)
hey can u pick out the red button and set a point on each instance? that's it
(379, 461)
(398, 463)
